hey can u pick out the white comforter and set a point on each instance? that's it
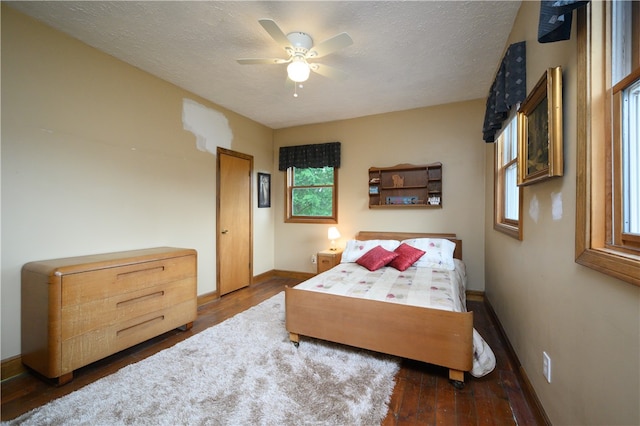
(425, 287)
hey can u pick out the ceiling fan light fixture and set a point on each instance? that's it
(298, 70)
(298, 46)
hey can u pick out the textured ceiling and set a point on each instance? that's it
(405, 54)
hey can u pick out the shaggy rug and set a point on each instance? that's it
(244, 371)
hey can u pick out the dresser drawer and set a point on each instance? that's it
(104, 283)
(324, 263)
(82, 318)
(81, 350)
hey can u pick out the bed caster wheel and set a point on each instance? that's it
(457, 384)
(296, 344)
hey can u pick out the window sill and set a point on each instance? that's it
(298, 219)
(623, 266)
(511, 231)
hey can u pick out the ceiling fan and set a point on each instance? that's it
(300, 48)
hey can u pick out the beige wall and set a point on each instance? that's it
(72, 183)
(450, 134)
(587, 322)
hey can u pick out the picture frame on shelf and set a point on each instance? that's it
(540, 145)
(402, 200)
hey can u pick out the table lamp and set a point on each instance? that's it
(333, 234)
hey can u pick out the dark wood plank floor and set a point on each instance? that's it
(422, 396)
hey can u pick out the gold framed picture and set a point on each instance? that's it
(540, 130)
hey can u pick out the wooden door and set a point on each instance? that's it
(234, 224)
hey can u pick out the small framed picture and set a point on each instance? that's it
(264, 190)
(373, 189)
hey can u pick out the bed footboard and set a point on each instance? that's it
(430, 335)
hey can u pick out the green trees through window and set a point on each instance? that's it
(312, 193)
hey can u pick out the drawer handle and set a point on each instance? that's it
(141, 271)
(133, 328)
(139, 299)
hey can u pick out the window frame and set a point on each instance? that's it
(290, 218)
(500, 223)
(626, 242)
(597, 185)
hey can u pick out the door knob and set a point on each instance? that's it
(225, 231)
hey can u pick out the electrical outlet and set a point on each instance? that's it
(313, 259)
(546, 366)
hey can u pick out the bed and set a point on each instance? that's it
(440, 335)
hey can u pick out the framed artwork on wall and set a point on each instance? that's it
(540, 130)
(264, 190)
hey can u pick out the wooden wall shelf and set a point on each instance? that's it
(406, 186)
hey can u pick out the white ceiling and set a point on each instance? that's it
(405, 54)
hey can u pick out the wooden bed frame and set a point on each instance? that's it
(430, 335)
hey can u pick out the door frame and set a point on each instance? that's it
(248, 157)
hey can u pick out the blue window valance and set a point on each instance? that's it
(555, 19)
(508, 89)
(310, 156)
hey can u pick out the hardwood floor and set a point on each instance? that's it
(422, 396)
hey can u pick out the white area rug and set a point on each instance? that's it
(244, 371)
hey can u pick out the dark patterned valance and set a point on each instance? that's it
(316, 156)
(509, 88)
(555, 19)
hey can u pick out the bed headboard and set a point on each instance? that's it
(385, 235)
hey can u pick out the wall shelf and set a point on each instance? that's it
(406, 186)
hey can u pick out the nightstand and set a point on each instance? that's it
(327, 259)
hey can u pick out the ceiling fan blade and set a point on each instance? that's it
(336, 42)
(275, 32)
(328, 71)
(268, 61)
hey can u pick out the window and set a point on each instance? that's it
(625, 81)
(312, 182)
(608, 192)
(507, 194)
(312, 194)
(630, 111)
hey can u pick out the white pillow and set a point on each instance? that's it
(355, 248)
(438, 252)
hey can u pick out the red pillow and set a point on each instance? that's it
(407, 256)
(376, 258)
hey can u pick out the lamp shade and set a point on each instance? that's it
(333, 233)
(298, 69)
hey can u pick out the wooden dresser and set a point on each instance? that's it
(78, 310)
